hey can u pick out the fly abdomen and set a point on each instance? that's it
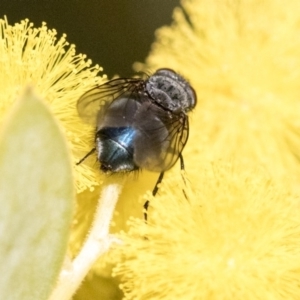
(115, 149)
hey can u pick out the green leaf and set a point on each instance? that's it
(36, 201)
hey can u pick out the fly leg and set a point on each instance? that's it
(146, 205)
(182, 169)
(86, 156)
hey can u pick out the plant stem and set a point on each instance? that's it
(96, 244)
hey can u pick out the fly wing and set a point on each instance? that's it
(92, 101)
(161, 137)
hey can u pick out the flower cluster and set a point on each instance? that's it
(34, 56)
(235, 236)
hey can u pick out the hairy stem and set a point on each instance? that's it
(96, 244)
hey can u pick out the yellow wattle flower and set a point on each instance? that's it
(242, 57)
(34, 56)
(236, 236)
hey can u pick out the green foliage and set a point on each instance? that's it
(36, 201)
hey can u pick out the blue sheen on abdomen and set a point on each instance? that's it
(115, 149)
